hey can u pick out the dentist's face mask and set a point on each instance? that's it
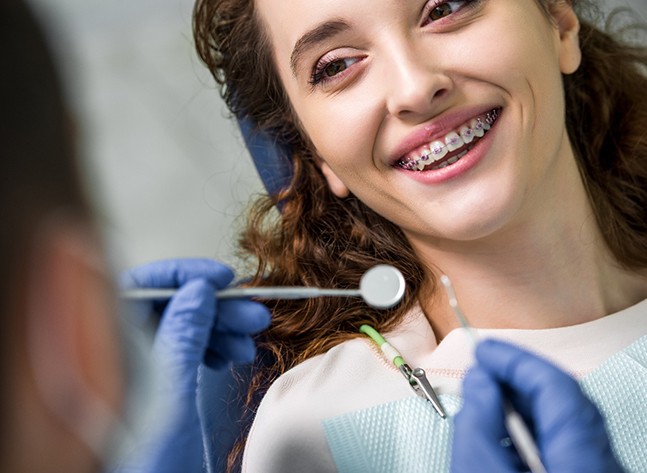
(90, 364)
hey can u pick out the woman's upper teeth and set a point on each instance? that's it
(453, 141)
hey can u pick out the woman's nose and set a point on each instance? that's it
(416, 88)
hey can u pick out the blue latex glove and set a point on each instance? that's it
(194, 327)
(568, 428)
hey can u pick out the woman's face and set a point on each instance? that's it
(397, 97)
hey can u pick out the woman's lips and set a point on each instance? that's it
(455, 145)
(457, 163)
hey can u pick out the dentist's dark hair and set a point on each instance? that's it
(38, 170)
(319, 239)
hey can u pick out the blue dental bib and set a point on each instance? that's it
(408, 436)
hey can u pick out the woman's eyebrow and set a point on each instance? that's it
(314, 36)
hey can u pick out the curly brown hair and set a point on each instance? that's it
(321, 240)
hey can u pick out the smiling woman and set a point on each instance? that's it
(499, 142)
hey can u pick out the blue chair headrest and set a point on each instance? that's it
(271, 157)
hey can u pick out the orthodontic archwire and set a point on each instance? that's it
(489, 120)
(416, 377)
(519, 432)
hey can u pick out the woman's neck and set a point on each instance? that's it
(542, 273)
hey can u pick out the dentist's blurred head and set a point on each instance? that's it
(61, 364)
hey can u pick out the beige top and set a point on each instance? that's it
(287, 434)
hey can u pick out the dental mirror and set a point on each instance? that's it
(381, 287)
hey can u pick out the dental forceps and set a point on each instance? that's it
(416, 377)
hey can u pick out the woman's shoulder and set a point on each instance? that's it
(288, 434)
(336, 375)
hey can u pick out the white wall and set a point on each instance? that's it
(167, 167)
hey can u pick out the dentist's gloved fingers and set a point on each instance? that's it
(186, 324)
(214, 360)
(479, 429)
(175, 272)
(233, 347)
(230, 339)
(569, 429)
(537, 383)
(180, 342)
(183, 336)
(169, 274)
(483, 399)
(241, 316)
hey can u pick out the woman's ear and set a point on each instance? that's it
(336, 185)
(568, 24)
(72, 340)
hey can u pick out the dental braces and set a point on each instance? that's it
(482, 125)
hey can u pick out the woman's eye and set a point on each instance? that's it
(328, 69)
(444, 9)
(335, 67)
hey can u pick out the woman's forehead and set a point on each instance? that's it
(295, 25)
(287, 20)
(288, 17)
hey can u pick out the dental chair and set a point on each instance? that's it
(221, 394)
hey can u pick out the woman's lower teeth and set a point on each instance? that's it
(452, 160)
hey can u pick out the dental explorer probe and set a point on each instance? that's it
(381, 287)
(520, 435)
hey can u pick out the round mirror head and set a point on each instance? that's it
(382, 286)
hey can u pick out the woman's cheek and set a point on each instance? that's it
(341, 130)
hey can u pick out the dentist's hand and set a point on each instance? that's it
(194, 327)
(568, 428)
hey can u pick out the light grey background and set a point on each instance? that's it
(166, 165)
